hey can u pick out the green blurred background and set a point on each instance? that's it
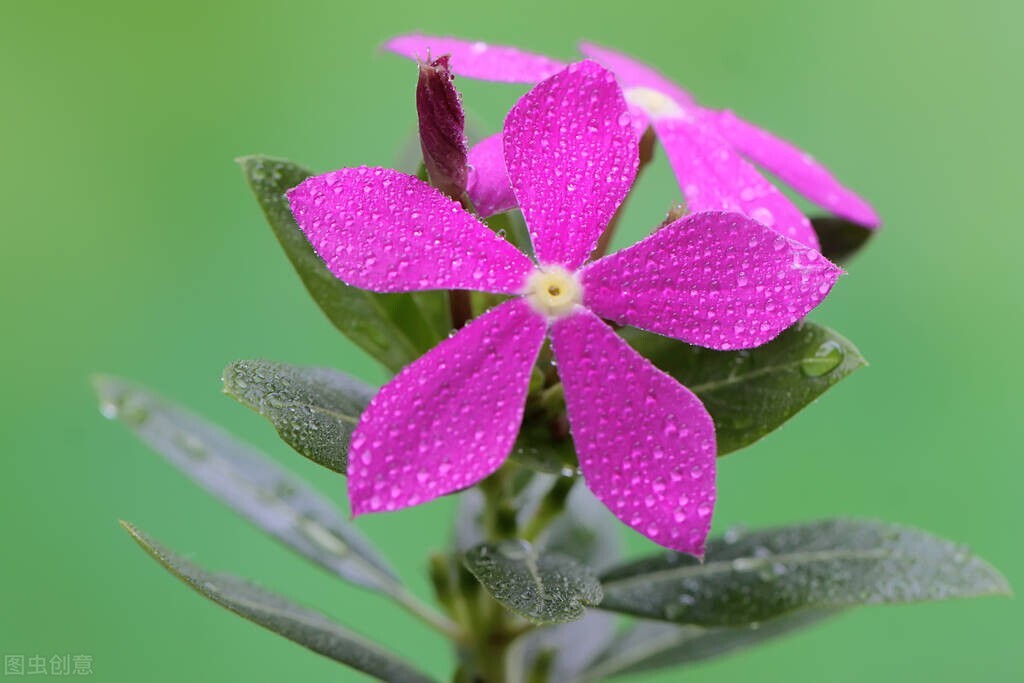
(133, 247)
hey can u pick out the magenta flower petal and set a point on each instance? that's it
(571, 155)
(488, 188)
(450, 418)
(718, 280)
(796, 167)
(634, 74)
(386, 231)
(640, 120)
(477, 59)
(714, 177)
(709, 182)
(646, 444)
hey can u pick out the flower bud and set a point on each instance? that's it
(442, 128)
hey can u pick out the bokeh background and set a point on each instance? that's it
(131, 246)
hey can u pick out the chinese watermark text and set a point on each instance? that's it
(47, 665)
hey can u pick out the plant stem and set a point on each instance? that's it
(428, 615)
(499, 512)
(460, 307)
(491, 630)
(551, 506)
(488, 626)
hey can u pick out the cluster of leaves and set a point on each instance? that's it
(556, 576)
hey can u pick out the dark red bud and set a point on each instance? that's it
(442, 128)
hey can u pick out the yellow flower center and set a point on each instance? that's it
(553, 291)
(657, 104)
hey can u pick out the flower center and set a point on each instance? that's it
(553, 291)
(657, 104)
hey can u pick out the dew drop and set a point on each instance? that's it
(746, 564)
(824, 360)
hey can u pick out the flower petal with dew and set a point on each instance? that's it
(350, 217)
(439, 425)
(727, 182)
(488, 62)
(658, 474)
(742, 298)
(488, 186)
(570, 163)
(705, 147)
(645, 442)
(796, 167)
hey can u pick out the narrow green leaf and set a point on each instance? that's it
(650, 645)
(820, 565)
(751, 393)
(315, 410)
(274, 613)
(255, 486)
(545, 589)
(840, 239)
(393, 328)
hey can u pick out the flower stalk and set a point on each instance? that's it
(491, 628)
(551, 506)
(429, 616)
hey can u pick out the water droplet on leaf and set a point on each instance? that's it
(824, 360)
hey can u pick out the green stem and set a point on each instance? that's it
(550, 507)
(499, 511)
(428, 615)
(490, 626)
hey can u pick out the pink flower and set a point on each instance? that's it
(646, 444)
(706, 148)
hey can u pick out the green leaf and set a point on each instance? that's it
(545, 589)
(840, 239)
(820, 565)
(539, 450)
(752, 392)
(248, 481)
(274, 613)
(650, 645)
(315, 410)
(393, 328)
